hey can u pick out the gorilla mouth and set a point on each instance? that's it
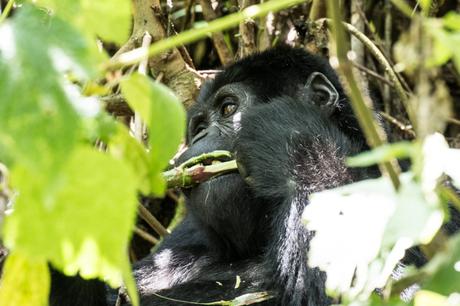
(208, 159)
(200, 168)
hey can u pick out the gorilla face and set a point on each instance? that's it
(227, 117)
(224, 204)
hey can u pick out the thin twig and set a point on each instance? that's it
(145, 214)
(403, 127)
(138, 125)
(372, 132)
(218, 39)
(453, 120)
(372, 73)
(146, 236)
(7, 10)
(380, 57)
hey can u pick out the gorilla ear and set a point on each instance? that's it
(321, 92)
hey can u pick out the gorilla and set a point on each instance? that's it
(286, 119)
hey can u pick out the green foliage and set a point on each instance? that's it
(126, 147)
(357, 260)
(108, 19)
(46, 224)
(37, 120)
(161, 111)
(25, 282)
(75, 206)
(445, 267)
(446, 36)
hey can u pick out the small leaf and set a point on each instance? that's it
(124, 146)
(24, 281)
(165, 117)
(138, 93)
(452, 21)
(381, 154)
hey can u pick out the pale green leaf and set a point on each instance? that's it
(439, 159)
(362, 230)
(137, 90)
(165, 117)
(381, 154)
(108, 19)
(24, 281)
(126, 147)
(452, 21)
(81, 223)
(38, 118)
(167, 129)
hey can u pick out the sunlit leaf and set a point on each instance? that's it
(452, 21)
(165, 117)
(107, 19)
(362, 231)
(24, 282)
(381, 154)
(84, 224)
(126, 147)
(439, 159)
(38, 119)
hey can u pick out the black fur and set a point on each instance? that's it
(288, 145)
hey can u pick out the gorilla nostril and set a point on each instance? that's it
(203, 133)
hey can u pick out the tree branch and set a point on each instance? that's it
(225, 55)
(247, 40)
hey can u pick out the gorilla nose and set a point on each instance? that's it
(207, 132)
(202, 134)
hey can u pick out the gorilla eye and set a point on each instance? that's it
(228, 107)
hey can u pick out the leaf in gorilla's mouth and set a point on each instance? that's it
(200, 168)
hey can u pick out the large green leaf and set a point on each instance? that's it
(108, 19)
(362, 230)
(84, 224)
(38, 118)
(165, 117)
(24, 282)
(126, 147)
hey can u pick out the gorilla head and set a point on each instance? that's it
(254, 108)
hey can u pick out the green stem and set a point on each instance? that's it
(358, 104)
(7, 10)
(137, 55)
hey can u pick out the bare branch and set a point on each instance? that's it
(247, 44)
(145, 214)
(225, 55)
